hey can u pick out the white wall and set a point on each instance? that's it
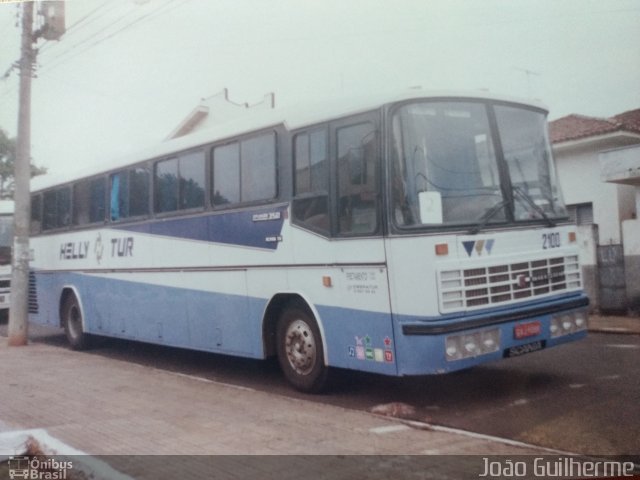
(631, 231)
(622, 166)
(579, 176)
(588, 244)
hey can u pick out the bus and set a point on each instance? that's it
(6, 243)
(410, 234)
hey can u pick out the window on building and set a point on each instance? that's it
(581, 214)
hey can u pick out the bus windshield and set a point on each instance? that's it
(448, 171)
(527, 152)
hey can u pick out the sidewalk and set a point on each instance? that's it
(102, 406)
(614, 324)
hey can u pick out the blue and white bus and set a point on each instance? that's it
(6, 248)
(404, 235)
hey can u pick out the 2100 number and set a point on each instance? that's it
(550, 240)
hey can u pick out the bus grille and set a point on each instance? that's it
(33, 293)
(479, 287)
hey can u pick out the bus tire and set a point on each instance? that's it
(299, 348)
(73, 325)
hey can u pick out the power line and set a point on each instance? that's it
(92, 12)
(68, 56)
(79, 25)
(82, 42)
(8, 72)
(71, 52)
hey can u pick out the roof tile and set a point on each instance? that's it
(574, 127)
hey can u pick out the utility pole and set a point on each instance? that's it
(18, 312)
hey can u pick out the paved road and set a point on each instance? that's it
(579, 398)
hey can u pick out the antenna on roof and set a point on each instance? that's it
(529, 74)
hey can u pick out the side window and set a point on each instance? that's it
(49, 210)
(89, 201)
(311, 196)
(97, 200)
(56, 208)
(358, 184)
(81, 203)
(226, 174)
(180, 183)
(258, 172)
(245, 171)
(129, 194)
(63, 201)
(166, 186)
(36, 214)
(139, 184)
(191, 192)
(119, 196)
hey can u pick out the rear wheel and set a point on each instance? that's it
(73, 324)
(300, 351)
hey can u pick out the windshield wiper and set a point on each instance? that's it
(488, 215)
(527, 198)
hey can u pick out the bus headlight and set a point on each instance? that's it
(469, 345)
(567, 323)
(453, 349)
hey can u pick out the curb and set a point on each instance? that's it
(614, 330)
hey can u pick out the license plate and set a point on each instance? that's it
(524, 349)
(524, 330)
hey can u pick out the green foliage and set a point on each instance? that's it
(7, 161)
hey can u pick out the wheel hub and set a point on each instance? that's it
(300, 347)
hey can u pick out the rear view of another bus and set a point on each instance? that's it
(6, 241)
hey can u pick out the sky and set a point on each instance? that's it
(127, 72)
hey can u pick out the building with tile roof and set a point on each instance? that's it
(598, 163)
(624, 127)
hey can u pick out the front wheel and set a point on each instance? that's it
(300, 351)
(73, 324)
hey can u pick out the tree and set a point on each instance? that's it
(7, 160)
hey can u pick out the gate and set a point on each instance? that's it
(613, 295)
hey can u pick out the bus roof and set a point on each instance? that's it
(291, 117)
